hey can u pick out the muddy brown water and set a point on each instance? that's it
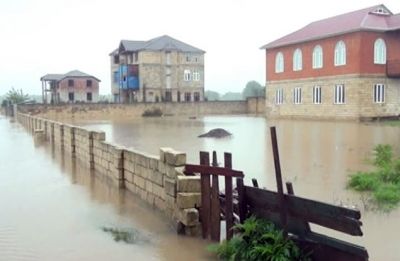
(53, 209)
(316, 156)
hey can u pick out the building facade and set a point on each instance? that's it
(72, 87)
(347, 66)
(161, 69)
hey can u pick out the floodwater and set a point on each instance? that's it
(54, 209)
(316, 157)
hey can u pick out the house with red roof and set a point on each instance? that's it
(343, 67)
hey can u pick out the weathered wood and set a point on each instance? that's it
(215, 205)
(189, 168)
(205, 197)
(304, 223)
(334, 217)
(228, 197)
(255, 182)
(242, 200)
(278, 175)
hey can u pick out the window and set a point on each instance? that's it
(71, 96)
(279, 96)
(168, 57)
(116, 77)
(70, 83)
(297, 60)
(339, 94)
(379, 93)
(340, 54)
(317, 57)
(188, 96)
(196, 96)
(279, 63)
(168, 96)
(88, 83)
(89, 96)
(297, 95)
(116, 59)
(188, 58)
(196, 59)
(196, 75)
(186, 75)
(317, 94)
(379, 52)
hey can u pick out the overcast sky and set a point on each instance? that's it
(56, 36)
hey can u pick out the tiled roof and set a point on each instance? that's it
(71, 74)
(52, 77)
(364, 19)
(164, 43)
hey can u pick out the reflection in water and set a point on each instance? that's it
(316, 156)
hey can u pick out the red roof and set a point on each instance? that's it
(375, 18)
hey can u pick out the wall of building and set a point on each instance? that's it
(114, 111)
(79, 89)
(157, 179)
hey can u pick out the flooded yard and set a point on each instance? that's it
(54, 209)
(316, 156)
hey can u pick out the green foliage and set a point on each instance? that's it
(16, 96)
(253, 89)
(128, 236)
(212, 95)
(384, 182)
(258, 239)
(154, 112)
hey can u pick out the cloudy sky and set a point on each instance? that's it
(56, 36)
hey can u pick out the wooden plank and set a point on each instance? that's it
(334, 217)
(242, 200)
(228, 197)
(215, 205)
(278, 175)
(205, 197)
(254, 182)
(290, 190)
(189, 168)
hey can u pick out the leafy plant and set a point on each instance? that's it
(258, 239)
(16, 96)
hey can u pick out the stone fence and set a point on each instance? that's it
(159, 180)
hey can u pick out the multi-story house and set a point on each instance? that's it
(347, 66)
(161, 69)
(74, 86)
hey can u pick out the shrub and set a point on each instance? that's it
(388, 195)
(363, 181)
(154, 112)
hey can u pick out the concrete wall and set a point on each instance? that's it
(113, 111)
(157, 179)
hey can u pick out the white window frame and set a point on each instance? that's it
(317, 97)
(186, 75)
(317, 57)
(379, 51)
(297, 95)
(340, 53)
(339, 95)
(297, 60)
(279, 96)
(379, 93)
(279, 63)
(196, 75)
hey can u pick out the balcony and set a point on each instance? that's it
(393, 68)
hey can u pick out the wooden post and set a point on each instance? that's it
(228, 197)
(215, 205)
(255, 182)
(205, 196)
(278, 174)
(290, 190)
(242, 199)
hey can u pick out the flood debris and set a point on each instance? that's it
(129, 236)
(216, 133)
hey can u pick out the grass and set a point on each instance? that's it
(383, 183)
(258, 239)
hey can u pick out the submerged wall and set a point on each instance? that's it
(157, 179)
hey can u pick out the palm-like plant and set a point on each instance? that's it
(16, 96)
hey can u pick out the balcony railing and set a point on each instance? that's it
(393, 68)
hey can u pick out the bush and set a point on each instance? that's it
(363, 182)
(154, 112)
(258, 239)
(388, 195)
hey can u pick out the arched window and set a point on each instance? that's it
(279, 63)
(340, 53)
(379, 51)
(317, 57)
(297, 60)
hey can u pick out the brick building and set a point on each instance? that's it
(74, 86)
(347, 66)
(161, 69)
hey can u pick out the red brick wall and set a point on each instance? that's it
(79, 84)
(359, 56)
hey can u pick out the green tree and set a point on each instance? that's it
(253, 89)
(16, 96)
(212, 96)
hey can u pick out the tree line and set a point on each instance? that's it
(252, 89)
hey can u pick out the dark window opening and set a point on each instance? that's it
(88, 83)
(196, 96)
(71, 96)
(116, 59)
(188, 96)
(70, 83)
(89, 96)
(168, 96)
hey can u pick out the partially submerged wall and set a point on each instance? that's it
(159, 180)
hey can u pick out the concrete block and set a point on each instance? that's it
(170, 202)
(188, 184)
(129, 165)
(162, 167)
(170, 186)
(129, 176)
(158, 191)
(157, 177)
(193, 231)
(149, 186)
(188, 217)
(175, 158)
(170, 171)
(159, 203)
(188, 200)
(163, 152)
(153, 162)
(139, 181)
(100, 136)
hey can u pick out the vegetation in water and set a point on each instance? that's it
(383, 183)
(258, 239)
(128, 236)
(154, 112)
